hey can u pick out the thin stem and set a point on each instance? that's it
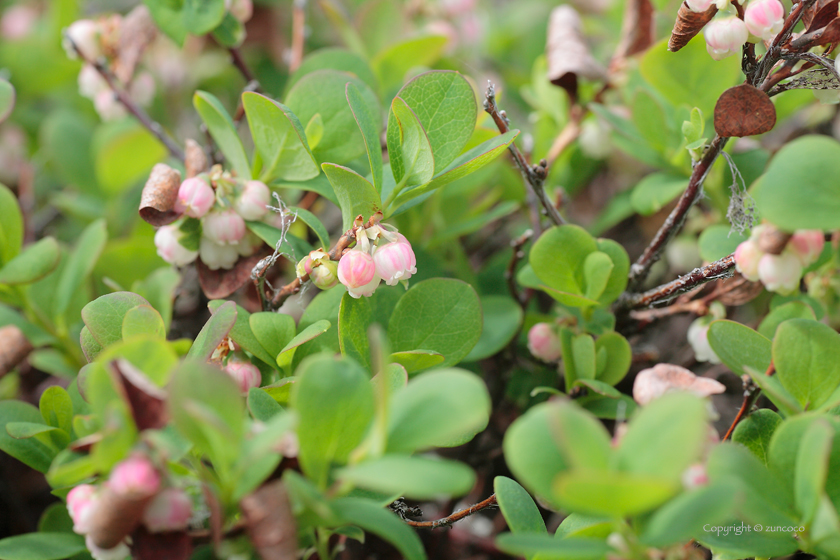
(676, 219)
(510, 272)
(298, 34)
(535, 175)
(751, 393)
(155, 128)
(724, 268)
(568, 135)
(457, 516)
(242, 66)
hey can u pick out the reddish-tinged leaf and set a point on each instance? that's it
(270, 522)
(828, 34)
(744, 110)
(195, 161)
(157, 203)
(160, 546)
(147, 400)
(567, 52)
(14, 347)
(219, 284)
(688, 25)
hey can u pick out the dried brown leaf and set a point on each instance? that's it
(147, 400)
(215, 520)
(567, 52)
(14, 347)
(137, 31)
(218, 284)
(654, 382)
(637, 30)
(115, 517)
(823, 36)
(196, 160)
(270, 522)
(744, 110)
(688, 25)
(175, 545)
(157, 202)
(819, 14)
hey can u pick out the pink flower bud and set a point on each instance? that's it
(217, 256)
(245, 374)
(90, 82)
(195, 198)
(253, 200)
(780, 273)
(695, 476)
(81, 502)
(119, 552)
(725, 36)
(84, 33)
(242, 10)
(747, 256)
(225, 227)
(764, 18)
(699, 5)
(395, 261)
(698, 337)
(544, 343)
(357, 271)
(169, 510)
(135, 476)
(807, 244)
(167, 241)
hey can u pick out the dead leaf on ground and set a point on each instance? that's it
(567, 52)
(652, 383)
(744, 110)
(688, 25)
(270, 522)
(157, 202)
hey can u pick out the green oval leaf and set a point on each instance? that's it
(221, 128)
(739, 347)
(806, 354)
(418, 478)
(34, 263)
(356, 196)
(42, 546)
(520, 511)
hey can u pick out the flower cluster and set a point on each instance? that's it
(779, 273)
(380, 253)
(134, 494)
(96, 39)
(763, 19)
(222, 204)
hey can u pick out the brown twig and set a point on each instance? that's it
(568, 135)
(241, 65)
(675, 220)
(335, 253)
(534, 175)
(122, 96)
(724, 268)
(751, 393)
(298, 34)
(762, 69)
(510, 271)
(457, 516)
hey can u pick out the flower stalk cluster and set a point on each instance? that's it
(762, 20)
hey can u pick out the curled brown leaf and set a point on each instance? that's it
(744, 110)
(688, 25)
(637, 31)
(270, 522)
(147, 400)
(567, 52)
(196, 160)
(137, 31)
(14, 348)
(115, 517)
(157, 202)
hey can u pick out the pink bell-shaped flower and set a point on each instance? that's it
(395, 261)
(764, 18)
(780, 273)
(357, 271)
(747, 256)
(246, 374)
(253, 201)
(195, 198)
(169, 510)
(217, 256)
(135, 476)
(167, 241)
(807, 244)
(225, 227)
(81, 502)
(725, 37)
